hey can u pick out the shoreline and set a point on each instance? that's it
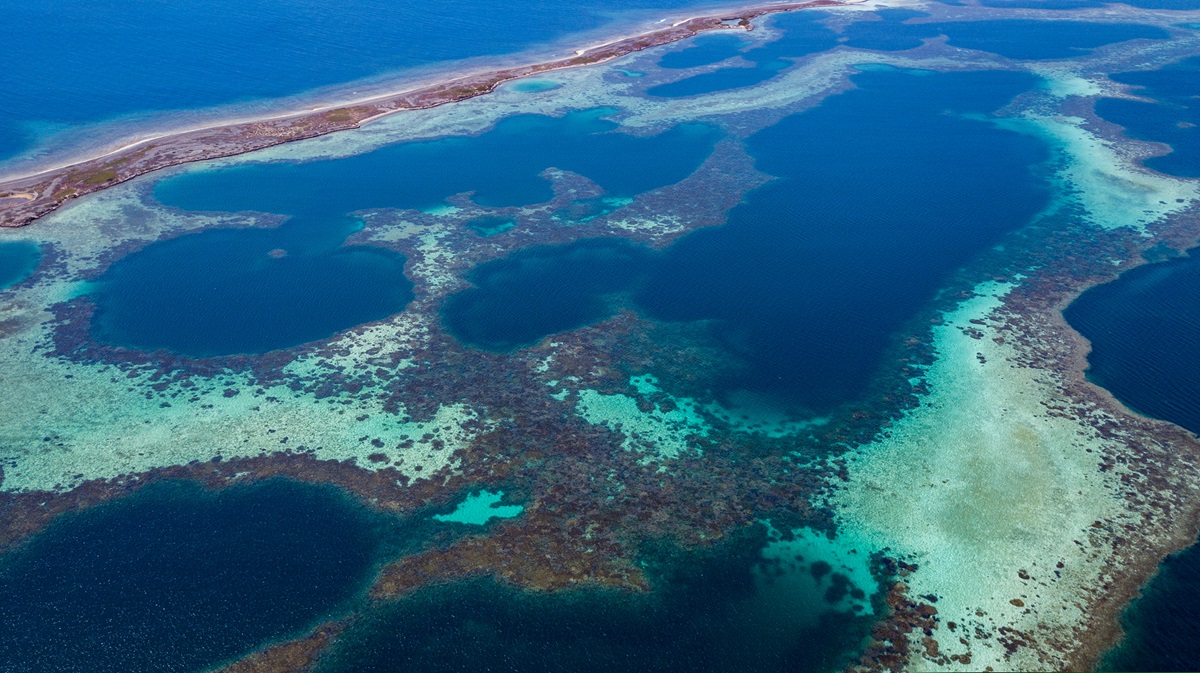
(52, 188)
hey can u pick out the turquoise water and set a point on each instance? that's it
(175, 578)
(582, 211)
(18, 259)
(804, 33)
(65, 67)
(1174, 119)
(535, 85)
(814, 272)
(227, 291)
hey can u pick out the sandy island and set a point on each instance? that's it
(25, 199)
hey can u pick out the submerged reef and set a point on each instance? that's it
(880, 449)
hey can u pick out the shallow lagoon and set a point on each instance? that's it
(18, 259)
(815, 271)
(1173, 120)
(227, 291)
(1145, 334)
(1026, 39)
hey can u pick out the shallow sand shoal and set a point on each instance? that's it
(997, 494)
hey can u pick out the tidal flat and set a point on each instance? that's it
(797, 345)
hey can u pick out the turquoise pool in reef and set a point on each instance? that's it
(479, 508)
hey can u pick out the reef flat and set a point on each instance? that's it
(935, 488)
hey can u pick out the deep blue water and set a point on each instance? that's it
(1162, 628)
(1012, 38)
(703, 615)
(815, 272)
(18, 259)
(227, 291)
(95, 61)
(704, 50)
(803, 34)
(1174, 119)
(710, 82)
(806, 34)
(501, 166)
(889, 33)
(1145, 334)
(174, 578)
(1079, 4)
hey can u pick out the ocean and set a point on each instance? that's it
(75, 78)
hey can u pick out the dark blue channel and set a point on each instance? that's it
(880, 195)
(704, 50)
(1080, 4)
(805, 33)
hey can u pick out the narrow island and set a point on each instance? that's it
(25, 199)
